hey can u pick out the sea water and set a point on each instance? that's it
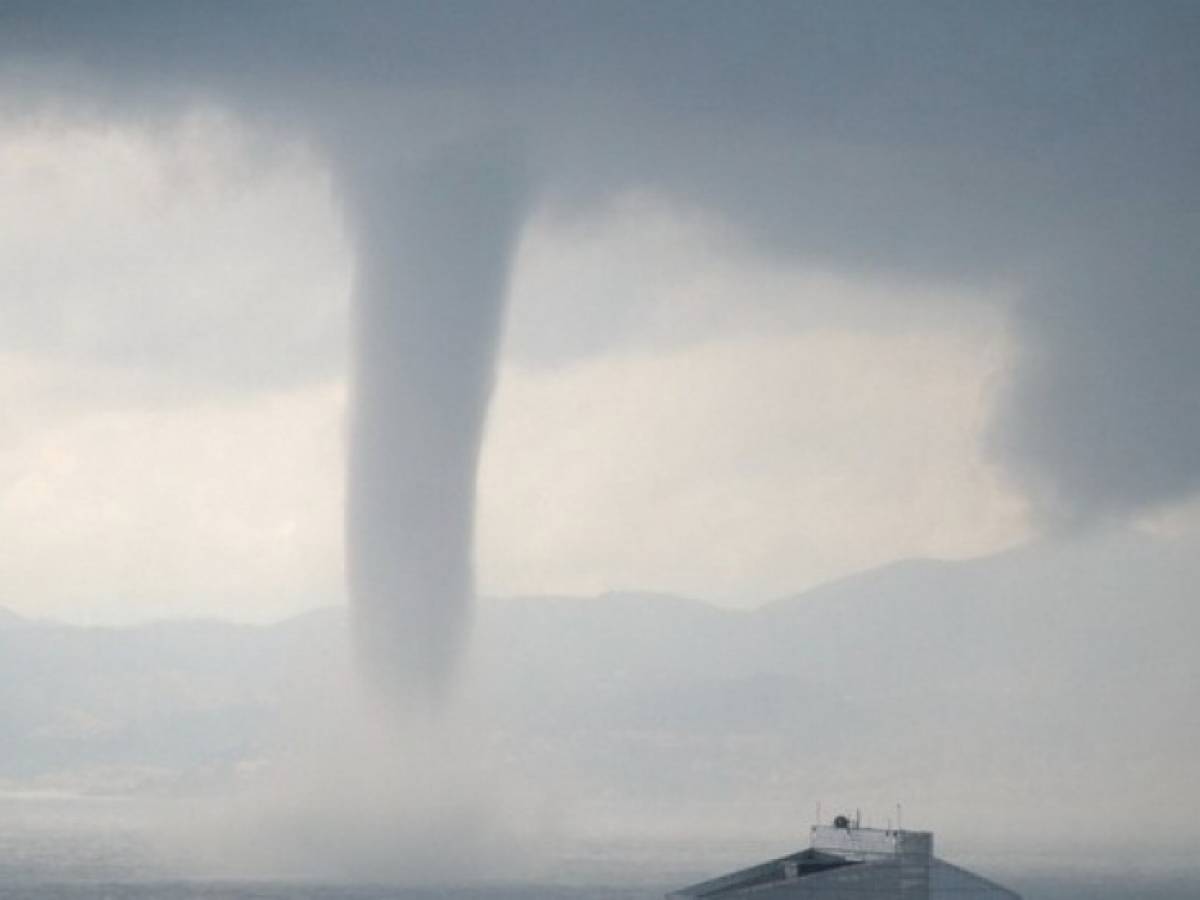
(48, 851)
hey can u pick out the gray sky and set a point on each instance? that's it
(805, 289)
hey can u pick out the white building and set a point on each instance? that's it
(846, 862)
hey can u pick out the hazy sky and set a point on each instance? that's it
(805, 289)
(176, 393)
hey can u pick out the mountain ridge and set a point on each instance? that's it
(1018, 681)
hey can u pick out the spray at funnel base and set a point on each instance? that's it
(434, 241)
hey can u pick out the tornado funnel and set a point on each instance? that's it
(434, 240)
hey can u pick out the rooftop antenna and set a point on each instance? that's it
(899, 826)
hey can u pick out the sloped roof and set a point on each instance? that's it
(817, 874)
(947, 878)
(806, 863)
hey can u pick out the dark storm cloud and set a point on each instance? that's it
(1049, 146)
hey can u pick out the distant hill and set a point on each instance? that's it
(1054, 685)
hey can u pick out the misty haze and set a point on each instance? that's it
(599, 449)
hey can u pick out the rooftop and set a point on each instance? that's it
(846, 860)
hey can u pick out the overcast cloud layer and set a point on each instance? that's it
(1049, 148)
